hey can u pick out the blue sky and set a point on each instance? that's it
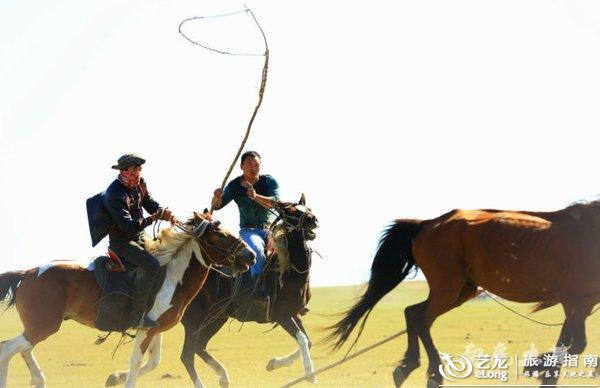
(376, 111)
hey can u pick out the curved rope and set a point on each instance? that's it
(518, 313)
(528, 318)
(263, 83)
(261, 92)
(211, 48)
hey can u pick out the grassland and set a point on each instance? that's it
(70, 358)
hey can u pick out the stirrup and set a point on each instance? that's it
(146, 323)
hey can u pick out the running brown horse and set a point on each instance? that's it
(295, 226)
(522, 256)
(45, 296)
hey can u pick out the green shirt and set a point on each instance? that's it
(252, 214)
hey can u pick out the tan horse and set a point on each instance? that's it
(543, 257)
(47, 295)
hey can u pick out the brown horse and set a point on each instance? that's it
(45, 296)
(543, 257)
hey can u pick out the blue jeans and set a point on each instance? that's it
(257, 240)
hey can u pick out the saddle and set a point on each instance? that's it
(116, 280)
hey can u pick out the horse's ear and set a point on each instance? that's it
(206, 215)
(302, 200)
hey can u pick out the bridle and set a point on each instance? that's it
(289, 228)
(229, 253)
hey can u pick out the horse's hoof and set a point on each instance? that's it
(224, 383)
(431, 383)
(312, 378)
(115, 379)
(399, 377)
(37, 383)
(271, 365)
(112, 381)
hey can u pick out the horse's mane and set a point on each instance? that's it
(281, 248)
(171, 244)
(584, 203)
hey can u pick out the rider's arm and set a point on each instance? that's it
(264, 201)
(272, 193)
(225, 198)
(117, 207)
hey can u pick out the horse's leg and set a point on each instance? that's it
(188, 351)
(203, 338)
(444, 295)
(7, 350)
(143, 340)
(137, 356)
(289, 359)
(565, 339)
(292, 328)
(575, 328)
(38, 323)
(154, 350)
(411, 360)
(38, 380)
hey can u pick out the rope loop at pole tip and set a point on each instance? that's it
(246, 10)
(263, 83)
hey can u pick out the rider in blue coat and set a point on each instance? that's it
(119, 212)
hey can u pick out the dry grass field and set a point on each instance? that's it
(70, 358)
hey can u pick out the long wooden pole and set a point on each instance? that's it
(261, 92)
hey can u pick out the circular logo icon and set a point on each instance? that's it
(455, 367)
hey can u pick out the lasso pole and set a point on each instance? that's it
(261, 92)
(343, 360)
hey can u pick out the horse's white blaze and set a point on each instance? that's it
(7, 350)
(286, 360)
(163, 299)
(308, 364)
(176, 267)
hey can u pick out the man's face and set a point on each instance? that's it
(134, 172)
(137, 169)
(251, 166)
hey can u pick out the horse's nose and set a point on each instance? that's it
(247, 260)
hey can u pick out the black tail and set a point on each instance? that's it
(9, 281)
(393, 262)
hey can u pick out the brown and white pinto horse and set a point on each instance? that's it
(543, 257)
(45, 296)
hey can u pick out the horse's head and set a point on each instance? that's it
(296, 224)
(297, 217)
(218, 245)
